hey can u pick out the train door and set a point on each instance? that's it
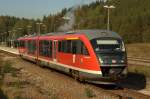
(55, 50)
(80, 53)
(74, 49)
(76, 46)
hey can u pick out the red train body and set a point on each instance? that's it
(93, 55)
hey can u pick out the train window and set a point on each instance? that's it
(64, 47)
(50, 50)
(79, 48)
(31, 46)
(74, 47)
(68, 46)
(21, 43)
(59, 46)
(84, 50)
(45, 48)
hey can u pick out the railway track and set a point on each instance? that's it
(139, 61)
(120, 93)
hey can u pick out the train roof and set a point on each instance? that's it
(91, 34)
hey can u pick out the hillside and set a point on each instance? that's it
(130, 18)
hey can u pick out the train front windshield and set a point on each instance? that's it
(109, 51)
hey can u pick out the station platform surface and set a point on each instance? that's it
(10, 50)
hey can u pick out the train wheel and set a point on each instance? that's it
(38, 62)
(76, 76)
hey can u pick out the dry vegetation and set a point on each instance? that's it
(138, 50)
(140, 70)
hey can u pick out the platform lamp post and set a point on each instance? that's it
(108, 15)
(44, 28)
(38, 34)
(39, 28)
(20, 31)
(10, 39)
(4, 38)
(13, 37)
(1, 35)
(29, 29)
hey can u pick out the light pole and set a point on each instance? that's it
(29, 29)
(13, 37)
(108, 14)
(39, 28)
(10, 39)
(1, 34)
(20, 32)
(5, 37)
(44, 28)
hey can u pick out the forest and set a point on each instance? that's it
(129, 18)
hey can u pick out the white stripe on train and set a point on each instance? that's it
(67, 66)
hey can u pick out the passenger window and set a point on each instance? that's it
(21, 43)
(59, 46)
(63, 47)
(31, 46)
(74, 47)
(79, 46)
(50, 50)
(45, 48)
(84, 50)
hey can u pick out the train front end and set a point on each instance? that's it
(111, 55)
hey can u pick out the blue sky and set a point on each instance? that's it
(36, 8)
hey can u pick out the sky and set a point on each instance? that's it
(36, 8)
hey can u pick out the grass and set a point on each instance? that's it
(7, 68)
(145, 70)
(138, 50)
(18, 97)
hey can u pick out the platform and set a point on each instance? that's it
(10, 50)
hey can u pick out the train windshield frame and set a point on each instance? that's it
(102, 45)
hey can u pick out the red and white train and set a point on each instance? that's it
(98, 56)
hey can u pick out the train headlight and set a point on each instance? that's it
(122, 61)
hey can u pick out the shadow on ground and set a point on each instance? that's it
(134, 81)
